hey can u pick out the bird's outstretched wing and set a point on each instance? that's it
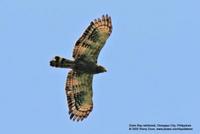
(93, 39)
(79, 94)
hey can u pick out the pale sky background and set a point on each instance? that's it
(152, 58)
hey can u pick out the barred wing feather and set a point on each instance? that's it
(79, 94)
(93, 39)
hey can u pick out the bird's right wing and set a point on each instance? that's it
(79, 94)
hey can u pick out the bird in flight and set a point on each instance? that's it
(83, 66)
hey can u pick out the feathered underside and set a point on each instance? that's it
(79, 80)
(79, 85)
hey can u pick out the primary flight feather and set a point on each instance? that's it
(79, 80)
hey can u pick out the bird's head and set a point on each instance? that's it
(100, 69)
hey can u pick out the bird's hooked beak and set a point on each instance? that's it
(104, 70)
(101, 69)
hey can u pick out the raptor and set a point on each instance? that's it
(83, 66)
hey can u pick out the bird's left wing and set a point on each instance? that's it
(93, 39)
(79, 94)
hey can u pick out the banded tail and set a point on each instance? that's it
(61, 62)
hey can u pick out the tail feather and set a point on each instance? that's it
(61, 62)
